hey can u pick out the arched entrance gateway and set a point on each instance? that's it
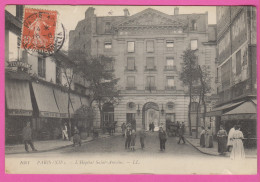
(108, 114)
(150, 114)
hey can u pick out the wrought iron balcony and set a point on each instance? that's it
(170, 87)
(170, 68)
(130, 69)
(130, 88)
(150, 68)
(150, 88)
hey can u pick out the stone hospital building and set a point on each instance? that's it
(147, 48)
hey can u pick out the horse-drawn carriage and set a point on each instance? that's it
(171, 128)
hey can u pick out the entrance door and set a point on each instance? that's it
(152, 116)
(108, 117)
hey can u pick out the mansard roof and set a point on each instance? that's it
(151, 17)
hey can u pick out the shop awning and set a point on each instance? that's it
(45, 100)
(62, 102)
(75, 101)
(18, 98)
(246, 110)
(84, 101)
(218, 111)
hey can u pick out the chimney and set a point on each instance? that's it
(126, 12)
(89, 12)
(176, 11)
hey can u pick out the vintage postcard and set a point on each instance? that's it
(130, 89)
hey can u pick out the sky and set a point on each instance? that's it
(69, 15)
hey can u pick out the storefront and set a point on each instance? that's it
(46, 120)
(18, 109)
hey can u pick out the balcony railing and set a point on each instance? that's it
(170, 88)
(170, 68)
(150, 88)
(150, 68)
(130, 88)
(130, 69)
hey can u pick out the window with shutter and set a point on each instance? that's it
(194, 44)
(41, 67)
(150, 46)
(130, 47)
(130, 81)
(130, 63)
(150, 81)
(170, 82)
(150, 63)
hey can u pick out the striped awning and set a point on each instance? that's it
(18, 98)
(45, 101)
(75, 101)
(218, 111)
(62, 102)
(246, 110)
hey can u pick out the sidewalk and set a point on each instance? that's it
(250, 153)
(49, 145)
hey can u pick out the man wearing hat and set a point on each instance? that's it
(163, 138)
(128, 137)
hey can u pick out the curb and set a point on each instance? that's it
(201, 150)
(213, 154)
(62, 147)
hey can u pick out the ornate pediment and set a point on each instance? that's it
(151, 17)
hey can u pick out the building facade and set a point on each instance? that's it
(36, 87)
(236, 70)
(147, 48)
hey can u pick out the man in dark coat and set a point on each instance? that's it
(181, 133)
(27, 137)
(128, 137)
(162, 138)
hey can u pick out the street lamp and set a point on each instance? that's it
(162, 110)
(138, 110)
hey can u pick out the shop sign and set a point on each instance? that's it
(49, 114)
(19, 112)
(19, 64)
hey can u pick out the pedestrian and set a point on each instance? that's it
(133, 136)
(27, 137)
(65, 132)
(181, 133)
(76, 137)
(142, 137)
(128, 137)
(202, 137)
(208, 138)
(162, 138)
(222, 140)
(152, 127)
(238, 151)
(230, 141)
(123, 127)
(177, 128)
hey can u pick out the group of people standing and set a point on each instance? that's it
(130, 136)
(231, 142)
(206, 137)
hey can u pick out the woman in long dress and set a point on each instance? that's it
(202, 137)
(222, 140)
(238, 151)
(208, 138)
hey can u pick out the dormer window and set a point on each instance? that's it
(108, 45)
(107, 27)
(193, 25)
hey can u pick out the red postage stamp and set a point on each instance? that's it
(38, 30)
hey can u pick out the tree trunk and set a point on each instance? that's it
(69, 130)
(197, 117)
(190, 112)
